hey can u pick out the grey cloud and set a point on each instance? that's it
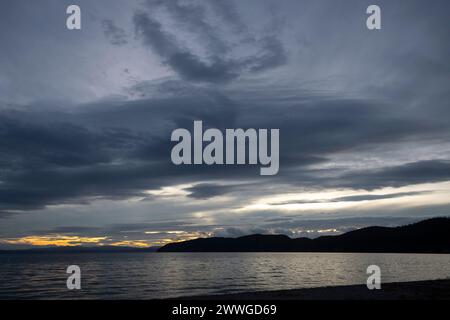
(218, 66)
(271, 55)
(119, 149)
(72, 230)
(362, 197)
(115, 229)
(210, 190)
(396, 176)
(27, 144)
(185, 63)
(192, 16)
(227, 11)
(369, 197)
(152, 226)
(116, 35)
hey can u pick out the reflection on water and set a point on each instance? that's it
(161, 275)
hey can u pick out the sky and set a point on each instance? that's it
(86, 118)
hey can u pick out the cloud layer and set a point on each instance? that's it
(85, 120)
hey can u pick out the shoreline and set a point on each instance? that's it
(415, 290)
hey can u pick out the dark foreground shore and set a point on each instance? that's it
(418, 290)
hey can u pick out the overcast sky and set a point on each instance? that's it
(86, 117)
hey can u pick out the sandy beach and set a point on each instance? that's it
(418, 290)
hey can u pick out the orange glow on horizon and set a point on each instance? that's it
(131, 243)
(73, 240)
(56, 240)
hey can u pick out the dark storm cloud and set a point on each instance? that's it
(116, 35)
(362, 197)
(151, 226)
(218, 66)
(413, 173)
(27, 145)
(368, 197)
(30, 190)
(327, 125)
(351, 91)
(79, 157)
(193, 17)
(209, 190)
(119, 149)
(401, 175)
(53, 163)
(226, 10)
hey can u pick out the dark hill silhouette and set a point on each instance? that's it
(428, 236)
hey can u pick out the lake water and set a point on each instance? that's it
(162, 275)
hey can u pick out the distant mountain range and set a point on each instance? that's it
(428, 236)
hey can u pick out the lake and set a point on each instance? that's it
(163, 275)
